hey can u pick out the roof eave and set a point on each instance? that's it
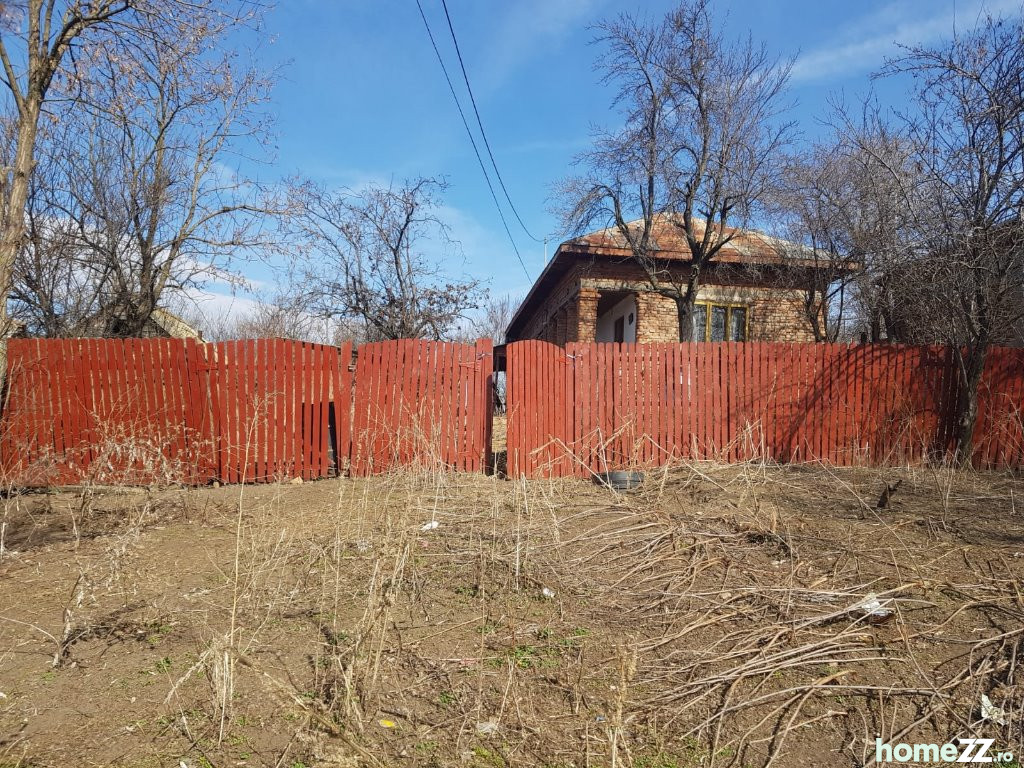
(574, 250)
(557, 261)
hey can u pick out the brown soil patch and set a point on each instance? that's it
(715, 617)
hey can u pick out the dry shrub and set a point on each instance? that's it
(718, 615)
(744, 658)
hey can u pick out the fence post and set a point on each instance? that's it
(483, 407)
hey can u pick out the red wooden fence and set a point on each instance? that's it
(272, 401)
(593, 407)
(419, 401)
(139, 410)
(80, 408)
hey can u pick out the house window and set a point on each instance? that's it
(719, 322)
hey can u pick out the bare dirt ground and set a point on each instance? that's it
(718, 616)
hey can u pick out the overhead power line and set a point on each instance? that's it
(472, 140)
(480, 124)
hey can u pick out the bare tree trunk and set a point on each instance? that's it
(684, 313)
(17, 196)
(685, 302)
(812, 310)
(876, 326)
(970, 369)
(13, 228)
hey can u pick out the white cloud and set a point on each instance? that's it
(866, 43)
(211, 309)
(215, 304)
(528, 29)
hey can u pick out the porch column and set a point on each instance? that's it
(586, 314)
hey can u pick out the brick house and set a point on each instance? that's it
(592, 290)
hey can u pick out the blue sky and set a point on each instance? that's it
(362, 98)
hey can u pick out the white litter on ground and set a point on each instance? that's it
(990, 711)
(487, 728)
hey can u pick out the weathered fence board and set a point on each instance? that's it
(144, 410)
(421, 402)
(589, 408)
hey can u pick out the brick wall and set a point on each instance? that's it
(656, 319)
(569, 312)
(557, 318)
(774, 314)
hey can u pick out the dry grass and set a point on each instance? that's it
(714, 617)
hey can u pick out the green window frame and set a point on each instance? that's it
(735, 319)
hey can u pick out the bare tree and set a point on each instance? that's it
(138, 173)
(840, 207)
(493, 319)
(367, 260)
(47, 51)
(40, 43)
(51, 295)
(700, 147)
(966, 133)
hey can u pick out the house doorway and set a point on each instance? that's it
(616, 317)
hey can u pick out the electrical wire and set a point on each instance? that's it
(480, 124)
(472, 140)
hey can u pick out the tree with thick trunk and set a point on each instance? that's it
(965, 130)
(37, 42)
(700, 147)
(131, 199)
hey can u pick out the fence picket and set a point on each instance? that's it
(255, 410)
(841, 404)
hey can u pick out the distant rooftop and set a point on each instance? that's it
(746, 246)
(669, 239)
